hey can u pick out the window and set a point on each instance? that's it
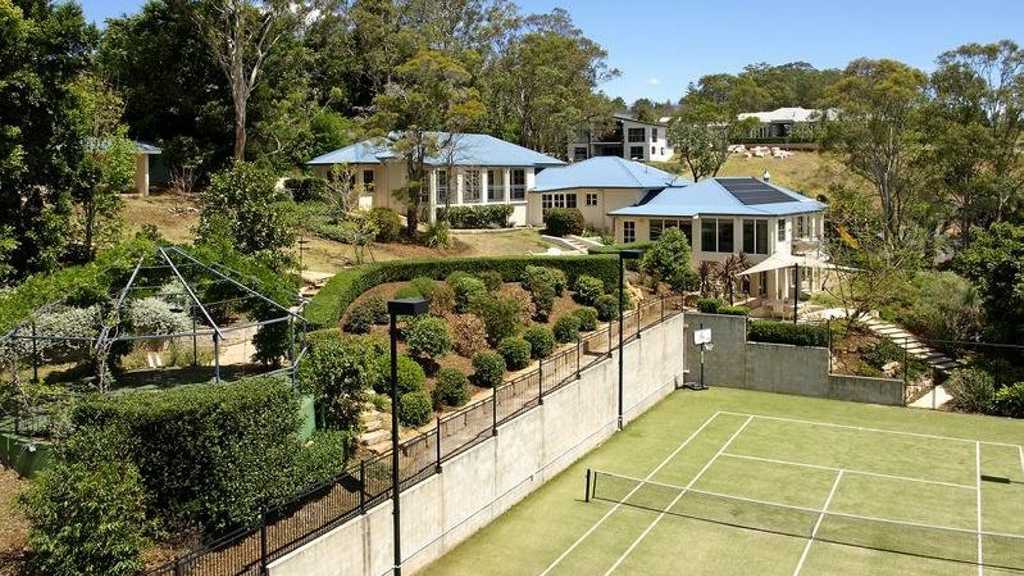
(442, 186)
(663, 151)
(518, 184)
(654, 134)
(636, 152)
(496, 185)
(716, 235)
(628, 231)
(591, 199)
(782, 230)
(653, 150)
(580, 153)
(658, 226)
(471, 186)
(725, 235)
(755, 236)
(636, 134)
(557, 201)
(800, 230)
(655, 228)
(762, 284)
(368, 180)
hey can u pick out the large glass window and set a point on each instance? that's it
(655, 228)
(471, 186)
(755, 236)
(496, 185)
(628, 231)
(557, 201)
(654, 134)
(782, 230)
(442, 186)
(658, 227)
(368, 180)
(801, 231)
(518, 184)
(580, 153)
(725, 235)
(709, 235)
(636, 152)
(636, 134)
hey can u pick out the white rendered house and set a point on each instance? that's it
(627, 138)
(476, 169)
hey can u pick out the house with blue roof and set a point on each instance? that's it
(468, 170)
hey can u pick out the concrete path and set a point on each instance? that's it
(566, 245)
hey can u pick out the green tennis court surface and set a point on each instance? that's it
(731, 482)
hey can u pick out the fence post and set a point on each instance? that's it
(35, 355)
(494, 411)
(662, 307)
(828, 328)
(437, 441)
(540, 381)
(362, 486)
(177, 567)
(586, 495)
(579, 351)
(905, 364)
(263, 544)
(639, 310)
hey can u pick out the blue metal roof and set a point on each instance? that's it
(709, 197)
(471, 150)
(605, 172)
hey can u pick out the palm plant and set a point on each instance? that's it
(707, 273)
(728, 274)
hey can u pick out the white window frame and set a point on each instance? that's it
(496, 185)
(441, 189)
(591, 199)
(518, 190)
(472, 192)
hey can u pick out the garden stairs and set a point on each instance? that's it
(376, 436)
(937, 396)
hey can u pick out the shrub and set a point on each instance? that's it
(972, 389)
(788, 333)
(668, 257)
(410, 375)
(241, 206)
(684, 280)
(335, 374)
(306, 188)
(466, 289)
(80, 323)
(516, 352)
(491, 279)
(541, 339)
(407, 291)
(320, 459)
(567, 329)
(483, 216)
(87, 518)
(209, 455)
(1010, 400)
(710, 305)
(588, 290)
(882, 352)
(387, 222)
(469, 334)
(736, 310)
(542, 294)
(437, 235)
(329, 305)
(451, 388)
(361, 316)
(442, 300)
(415, 408)
(500, 316)
(154, 316)
(425, 286)
(940, 306)
(488, 369)
(587, 317)
(379, 307)
(553, 276)
(564, 221)
(607, 308)
(428, 338)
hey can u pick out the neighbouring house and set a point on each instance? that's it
(779, 231)
(784, 125)
(596, 187)
(143, 151)
(625, 137)
(471, 170)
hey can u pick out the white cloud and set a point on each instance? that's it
(654, 81)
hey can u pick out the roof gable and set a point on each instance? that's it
(605, 172)
(470, 150)
(711, 197)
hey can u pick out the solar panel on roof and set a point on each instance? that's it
(751, 191)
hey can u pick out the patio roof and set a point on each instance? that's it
(779, 261)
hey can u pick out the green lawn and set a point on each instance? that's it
(730, 482)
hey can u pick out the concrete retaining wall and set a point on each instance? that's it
(782, 368)
(480, 484)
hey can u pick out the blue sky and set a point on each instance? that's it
(662, 45)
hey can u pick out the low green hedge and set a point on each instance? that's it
(616, 248)
(327, 308)
(788, 333)
(484, 216)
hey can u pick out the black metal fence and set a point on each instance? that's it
(368, 482)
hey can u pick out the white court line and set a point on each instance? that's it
(676, 499)
(817, 525)
(1020, 450)
(866, 429)
(850, 471)
(618, 505)
(977, 462)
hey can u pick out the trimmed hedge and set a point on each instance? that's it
(516, 352)
(451, 388)
(488, 369)
(330, 304)
(483, 216)
(587, 317)
(788, 333)
(541, 340)
(567, 329)
(415, 408)
(564, 221)
(616, 248)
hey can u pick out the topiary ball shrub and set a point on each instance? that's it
(567, 329)
(469, 334)
(442, 300)
(451, 388)
(491, 279)
(428, 338)
(500, 316)
(1010, 400)
(360, 318)
(407, 291)
(564, 221)
(388, 223)
(607, 307)
(972, 389)
(587, 317)
(379, 308)
(425, 286)
(410, 375)
(709, 305)
(488, 369)
(542, 341)
(588, 289)
(466, 289)
(415, 408)
(516, 352)
(553, 276)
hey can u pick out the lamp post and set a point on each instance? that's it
(623, 256)
(396, 308)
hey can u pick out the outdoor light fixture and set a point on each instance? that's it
(396, 308)
(624, 255)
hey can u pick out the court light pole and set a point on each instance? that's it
(396, 308)
(623, 256)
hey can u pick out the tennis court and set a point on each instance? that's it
(734, 482)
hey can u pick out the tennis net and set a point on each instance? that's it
(1004, 551)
